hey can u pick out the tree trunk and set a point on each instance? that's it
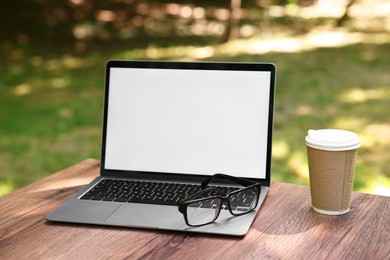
(233, 28)
(340, 21)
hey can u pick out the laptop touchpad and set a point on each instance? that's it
(146, 215)
(83, 211)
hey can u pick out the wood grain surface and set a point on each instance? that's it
(285, 228)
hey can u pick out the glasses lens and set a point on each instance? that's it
(203, 212)
(245, 200)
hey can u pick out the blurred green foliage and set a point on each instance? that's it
(52, 77)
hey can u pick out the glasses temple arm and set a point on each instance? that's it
(232, 178)
(197, 194)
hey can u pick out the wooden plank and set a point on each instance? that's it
(29, 205)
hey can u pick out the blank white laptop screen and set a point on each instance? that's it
(188, 121)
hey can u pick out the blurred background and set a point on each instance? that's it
(332, 59)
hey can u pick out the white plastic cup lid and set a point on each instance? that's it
(332, 139)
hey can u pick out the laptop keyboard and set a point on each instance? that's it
(162, 193)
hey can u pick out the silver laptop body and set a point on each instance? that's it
(180, 122)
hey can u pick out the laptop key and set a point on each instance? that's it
(97, 198)
(108, 198)
(121, 199)
(136, 200)
(85, 197)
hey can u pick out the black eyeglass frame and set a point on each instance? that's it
(224, 198)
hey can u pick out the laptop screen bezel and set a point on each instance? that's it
(269, 67)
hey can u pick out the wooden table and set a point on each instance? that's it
(286, 227)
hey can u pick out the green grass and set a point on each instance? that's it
(51, 106)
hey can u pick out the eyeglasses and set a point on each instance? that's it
(204, 207)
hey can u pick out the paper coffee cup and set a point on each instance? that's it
(332, 158)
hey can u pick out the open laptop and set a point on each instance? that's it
(178, 123)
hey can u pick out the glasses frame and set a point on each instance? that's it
(224, 198)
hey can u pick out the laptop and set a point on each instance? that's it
(175, 124)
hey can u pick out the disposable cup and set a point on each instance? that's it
(332, 162)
